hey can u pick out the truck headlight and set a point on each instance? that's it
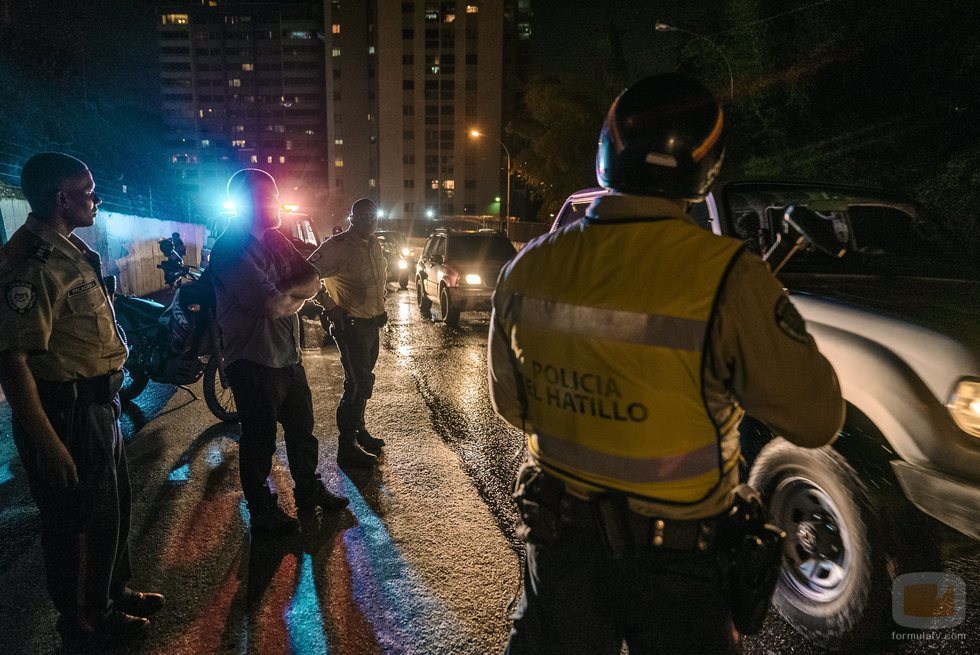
(402, 264)
(473, 278)
(964, 406)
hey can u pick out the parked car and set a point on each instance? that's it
(458, 270)
(397, 253)
(898, 316)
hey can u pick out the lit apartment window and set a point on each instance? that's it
(372, 183)
(238, 143)
(370, 49)
(448, 184)
(339, 163)
(338, 142)
(282, 159)
(254, 159)
(174, 19)
(237, 128)
(289, 144)
(235, 82)
(310, 132)
(205, 143)
(335, 28)
(472, 9)
(335, 52)
(268, 160)
(300, 34)
(248, 67)
(200, 113)
(449, 18)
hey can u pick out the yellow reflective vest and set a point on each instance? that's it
(608, 325)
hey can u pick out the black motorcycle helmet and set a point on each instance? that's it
(663, 136)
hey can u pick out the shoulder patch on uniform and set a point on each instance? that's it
(789, 320)
(82, 288)
(40, 252)
(21, 296)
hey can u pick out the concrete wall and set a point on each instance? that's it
(128, 244)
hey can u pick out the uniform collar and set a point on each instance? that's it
(618, 206)
(72, 247)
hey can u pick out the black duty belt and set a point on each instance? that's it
(607, 515)
(100, 389)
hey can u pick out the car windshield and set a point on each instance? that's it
(472, 247)
(881, 237)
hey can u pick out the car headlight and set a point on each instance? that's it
(473, 278)
(402, 264)
(406, 252)
(964, 406)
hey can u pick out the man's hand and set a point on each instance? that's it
(56, 466)
(55, 463)
(305, 286)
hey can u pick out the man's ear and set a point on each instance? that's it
(61, 200)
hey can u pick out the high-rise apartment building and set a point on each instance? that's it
(243, 84)
(406, 81)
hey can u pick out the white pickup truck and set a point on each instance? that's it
(898, 315)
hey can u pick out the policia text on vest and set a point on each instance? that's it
(582, 392)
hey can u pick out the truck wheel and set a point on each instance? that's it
(425, 305)
(403, 281)
(217, 391)
(450, 313)
(834, 587)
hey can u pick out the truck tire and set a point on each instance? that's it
(217, 391)
(403, 281)
(834, 587)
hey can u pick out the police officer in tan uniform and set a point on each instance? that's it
(61, 359)
(630, 370)
(354, 269)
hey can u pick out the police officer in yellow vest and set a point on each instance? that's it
(627, 346)
(354, 271)
(60, 366)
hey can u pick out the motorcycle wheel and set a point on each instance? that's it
(217, 392)
(133, 385)
(134, 382)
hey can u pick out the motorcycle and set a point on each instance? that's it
(176, 344)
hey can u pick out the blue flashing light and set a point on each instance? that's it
(229, 205)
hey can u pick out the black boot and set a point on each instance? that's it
(309, 497)
(351, 455)
(265, 516)
(370, 443)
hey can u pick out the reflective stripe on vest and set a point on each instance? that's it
(611, 355)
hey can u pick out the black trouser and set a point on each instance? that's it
(85, 531)
(358, 343)
(266, 396)
(595, 576)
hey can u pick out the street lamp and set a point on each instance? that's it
(478, 133)
(664, 27)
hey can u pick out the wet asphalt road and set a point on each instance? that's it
(424, 562)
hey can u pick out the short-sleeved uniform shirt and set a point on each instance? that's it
(246, 273)
(355, 273)
(54, 306)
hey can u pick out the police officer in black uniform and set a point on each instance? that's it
(60, 366)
